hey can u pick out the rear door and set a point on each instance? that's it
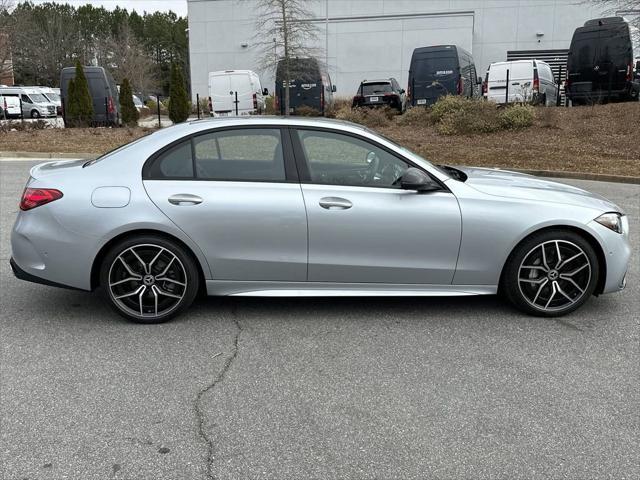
(241, 85)
(221, 94)
(235, 193)
(433, 75)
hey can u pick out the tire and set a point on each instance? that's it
(559, 289)
(165, 274)
(35, 114)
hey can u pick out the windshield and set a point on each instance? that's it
(54, 97)
(373, 88)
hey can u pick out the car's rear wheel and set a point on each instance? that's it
(149, 279)
(35, 114)
(551, 273)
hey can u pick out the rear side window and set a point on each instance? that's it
(245, 155)
(250, 154)
(174, 163)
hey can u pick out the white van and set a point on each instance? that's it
(9, 107)
(34, 103)
(530, 81)
(236, 92)
(53, 95)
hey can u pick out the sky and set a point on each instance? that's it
(178, 6)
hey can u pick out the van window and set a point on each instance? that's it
(25, 98)
(438, 68)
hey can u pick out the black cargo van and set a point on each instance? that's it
(442, 70)
(600, 62)
(104, 93)
(310, 85)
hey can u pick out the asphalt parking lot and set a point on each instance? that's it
(317, 388)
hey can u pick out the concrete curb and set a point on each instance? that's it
(539, 173)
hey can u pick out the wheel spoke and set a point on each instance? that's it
(127, 267)
(559, 255)
(570, 259)
(154, 259)
(535, 267)
(557, 285)
(544, 258)
(553, 294)
(125, 280)
(572, 281)
(141, 288)
(171, 280)
(144, 265)
(166, 269)
(535, 281)
(155, 300)
(165, 293)
(571, 274)
(144, 289)
(535, 299)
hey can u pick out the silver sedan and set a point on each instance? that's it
(308, 207)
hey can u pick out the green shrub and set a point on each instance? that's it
(515, 117)
(307, 111)
(128, 109)
(369, 117)
(463, 116)
(179, 101)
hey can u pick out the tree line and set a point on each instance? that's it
(44, 38)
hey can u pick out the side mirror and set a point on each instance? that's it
(265, 92)
(638, 66)
(334, 89)
(402, 91)
(479, 80)
(415, 179)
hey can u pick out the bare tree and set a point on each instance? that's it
(285, 30)
(626, 8)
(6, 29)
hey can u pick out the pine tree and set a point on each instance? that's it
(127, 108)
(79, 104)
(178, 101)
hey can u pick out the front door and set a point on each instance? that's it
(232, 193)
(363, 228)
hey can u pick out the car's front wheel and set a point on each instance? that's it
(149, 279)
(551, 273)
(35, 114)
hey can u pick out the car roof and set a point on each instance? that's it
(274, 120)
(379, 80)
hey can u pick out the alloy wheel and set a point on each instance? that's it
(554, 275)
(147, 281)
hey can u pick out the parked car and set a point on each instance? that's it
(236, 92)
(9, 107)
(600, 62)
(53, 95)
(103, 90)
(310, 85)
(381, 93)
(308, 207)
(529, 81)
(441, 70)
(34, 103)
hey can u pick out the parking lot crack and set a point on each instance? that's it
(201, 417)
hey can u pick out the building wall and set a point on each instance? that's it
(375, 38)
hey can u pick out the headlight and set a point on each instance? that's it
(613, 221)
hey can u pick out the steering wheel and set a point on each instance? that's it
(374, 162)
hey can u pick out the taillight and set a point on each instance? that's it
(255, 101)
(34, 197)
(276, 104)
(409, 92)
(210, 106)
(630, 72)
(110, 106)
(460, 85)
(536, 81)
(322, 99)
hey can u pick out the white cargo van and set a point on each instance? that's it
(529, 81)
(235, 92)
(9, 107)
(34, 103)
(53, 95)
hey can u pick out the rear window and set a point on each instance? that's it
(438, 68)
(378, 87)
(590, 47)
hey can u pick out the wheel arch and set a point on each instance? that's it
(602, 261)
(97, 261)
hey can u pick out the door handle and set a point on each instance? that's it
(184, 199)
(335, 203)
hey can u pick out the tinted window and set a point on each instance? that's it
(378, 87)
(249, 154)
(25, 98)
(337, 159)
(174, 163)
(440, 68)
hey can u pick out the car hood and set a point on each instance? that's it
(504, 183)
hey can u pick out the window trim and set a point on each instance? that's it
(290, 167)
(303, 166)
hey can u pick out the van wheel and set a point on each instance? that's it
(35, 114)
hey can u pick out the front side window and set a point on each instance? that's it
(244, 154)
(339, 159)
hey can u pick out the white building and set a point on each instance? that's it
(375, 38)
